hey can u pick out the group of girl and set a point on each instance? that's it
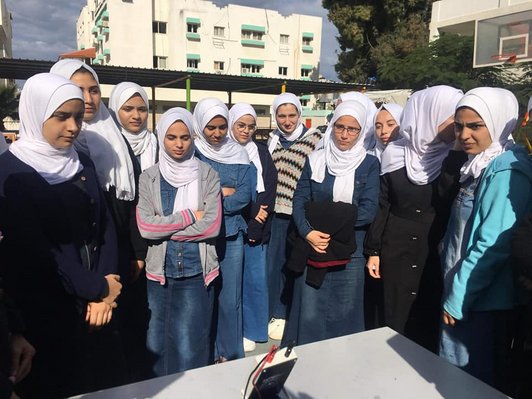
(132, 254)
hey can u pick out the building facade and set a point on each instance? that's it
(502, 28)
(199, 36)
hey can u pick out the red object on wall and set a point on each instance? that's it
(308, 123)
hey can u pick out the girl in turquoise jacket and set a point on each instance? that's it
(495, 195)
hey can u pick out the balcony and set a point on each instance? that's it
(308, 49)
(193, 36)
(252, 43)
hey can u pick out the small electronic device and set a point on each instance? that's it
(268, 377)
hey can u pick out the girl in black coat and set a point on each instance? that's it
(59, 254)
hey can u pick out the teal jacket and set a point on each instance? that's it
(484, 280)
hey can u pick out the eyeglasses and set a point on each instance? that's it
(241, 127)
(350, 130)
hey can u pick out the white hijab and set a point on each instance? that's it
(229, 151)
(341, 164)
(101, 140)
(143, 143)
(396, 111)
(371, 111)
(282, 99)
(183, 174)
(424, 112)
(499, 110)
(41, 96)
(236, 112)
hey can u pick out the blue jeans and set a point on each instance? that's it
(480, 345)
(255, 293)
(333, 310)
(180, 328)
(229, 329)
(278, 252)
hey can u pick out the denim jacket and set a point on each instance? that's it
(365, 195)
(239, 177)
(182, 259)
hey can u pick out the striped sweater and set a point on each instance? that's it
(289, 163)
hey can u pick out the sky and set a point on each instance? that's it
(44, 29)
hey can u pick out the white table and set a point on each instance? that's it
(377, 364)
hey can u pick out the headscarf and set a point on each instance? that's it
(41, 96)
(341, 164)
(143, 143)
(236, 112)
(499, 110)
(529, 107)
(183, 174)
(424, 112)
(228, 152)
(101, 140)
(396, 111)
(371, 110)
(282, 99)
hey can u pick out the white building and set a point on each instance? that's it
(502, 28)
(6, 35)
(199, 36)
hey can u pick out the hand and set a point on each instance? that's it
(448, 319)
(98, 314)
(199, 215)
(22, 353)
(136, 267)
(318, 241)
(113, 283)
(262, 215)
(14, 396)
(373, 265)
(227, 191)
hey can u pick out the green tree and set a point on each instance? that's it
(8, 103)
(369, 30)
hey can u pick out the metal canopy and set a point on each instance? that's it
(23, 69)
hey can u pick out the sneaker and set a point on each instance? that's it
(249, 345)
(276, 329)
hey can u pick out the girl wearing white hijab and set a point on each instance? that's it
(401, 244)
(179, 211)
(231, 161)
(495, 195)
(386, 124)
(341, 172)
(67, 284)
(371, 111)
(118, 172)
(290, 144)
(242, 123)
(129, 106)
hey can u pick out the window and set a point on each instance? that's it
(304, 103)
(159, 62)
(159, 27)
(218, 65)
(192, 28)
(307, 41)
(219, 31)
(251, 35)
(192, 63)
(250, 68)
(305, 72)
(283, 71)
(283, 39)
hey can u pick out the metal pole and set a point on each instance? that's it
(229, 98)
(188, 92)
(153, 107)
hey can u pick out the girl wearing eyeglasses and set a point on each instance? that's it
(243, 123)
(339, 183)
